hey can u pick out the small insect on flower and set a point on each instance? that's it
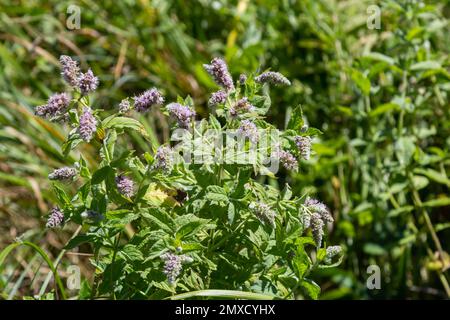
(147, 99)
(70, 70)
(88, 125)
(271, 77)
(248, 130)
(124, 106)
(173, 264)
(55, 219)
(304, 146)
(242, 106)
(218, 98)
(163, 159)
(56, 106)
(87, 82)
(263, 212)
(288, 160)
(64, 173)
(183, 114)
(92, 215)
(125, 186)
(218, 69)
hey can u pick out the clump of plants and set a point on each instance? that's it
(198, 217)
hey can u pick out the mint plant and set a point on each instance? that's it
(187, 218)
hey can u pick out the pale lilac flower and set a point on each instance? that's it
(64, 173)
(87, 82)
(315, 205)
(304, 146)
(248, 130)
(218, 69)
(263, 212)
(183, 114)
(271, 77)
(163, 159)
(242, 106)
(317, 228)
(70, 70)
(287, 159)
(88, 125)
(125, 186)
(147, 99)
(218, 98)
(173, 264)
(242, 79)
(56, 106)
(124, 106)
(55, 219)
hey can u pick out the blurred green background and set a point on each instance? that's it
(381, 97)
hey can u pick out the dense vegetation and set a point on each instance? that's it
(380, 98)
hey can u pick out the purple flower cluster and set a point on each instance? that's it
(218, 69)
(242, 106)
(147, 99)
(271, 77)
(248, 130)
(163, 159)
(304, 146)
(55, 219)
(183, 114)
(87, 82)
(173, 264)
(56, 106)
(315, 217)
(88, 125)
(125, 186)
(331, 252)
(218, 98)
(70, 70)
(124, 106)
(287, 159)
(64, 173)
(263, 212)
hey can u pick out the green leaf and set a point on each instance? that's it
(426, 65)
(296, 121)
(433, 175)
(384, 108)
(131, 253)
(311, 288)
(124, 123)
(216, 193)
(404, 149)
(76, 241)
(361, 81)
(440, 202)
(100, 175)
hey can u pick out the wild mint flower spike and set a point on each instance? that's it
(173, 264)
(88, 125)
(271, 77)
(125, 186)
(55, 219)
(70, 70)
(147, 99)
(56, 106)
(87, 82)
(315, 205)
(304, 146)
(263, 212)
(218, 97)
(218, 69)
(242, 106)
(288, 160)
(317, 226)
(315, 217)
(64, 173)
(183, 114)
(248, 130)
(163, 159)
(124, 106)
